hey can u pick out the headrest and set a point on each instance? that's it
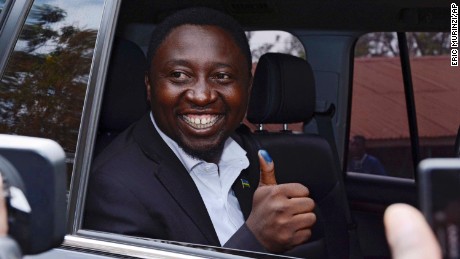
(283, 90)
(125, 97)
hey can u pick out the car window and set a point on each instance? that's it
(2, 5)
(436, 92)
(260, 43)
(379, 116)
(43, 87)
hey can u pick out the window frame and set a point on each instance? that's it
(12, 19)
(90, 115)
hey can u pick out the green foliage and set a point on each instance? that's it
(43, 88)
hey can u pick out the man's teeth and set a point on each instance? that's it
(202, 121)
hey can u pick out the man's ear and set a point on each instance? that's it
(147, 86)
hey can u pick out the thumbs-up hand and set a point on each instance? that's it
(281, 216)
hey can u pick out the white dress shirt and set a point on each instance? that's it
(214, 182)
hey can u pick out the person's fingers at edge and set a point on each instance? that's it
(267, 169)
(408, 234)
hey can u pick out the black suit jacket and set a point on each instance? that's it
(139, 187)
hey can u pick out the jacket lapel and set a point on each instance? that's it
(175, 178)
(243, 192)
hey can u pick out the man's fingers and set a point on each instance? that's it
(267, 169)
(294, 190)
(304, 220)
(408, 234)
(301, 236)
(301, 205)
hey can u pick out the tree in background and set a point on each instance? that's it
(289, 45)
(43, 87)
(385, 44)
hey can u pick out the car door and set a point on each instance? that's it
(403, 104)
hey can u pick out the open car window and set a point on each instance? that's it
(133, 37)
(379, 112)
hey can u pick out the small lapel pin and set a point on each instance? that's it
(245, 183)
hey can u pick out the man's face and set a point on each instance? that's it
(357, 148)
(199, 88)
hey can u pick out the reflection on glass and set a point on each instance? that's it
(43, 88)
(378, 108)
(2, 4)
(436, 93)
(379, 131)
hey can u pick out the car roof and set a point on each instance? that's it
(347, 15)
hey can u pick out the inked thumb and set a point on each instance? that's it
(267, 169)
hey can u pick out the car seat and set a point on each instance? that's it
(283, 92)
(125, 96)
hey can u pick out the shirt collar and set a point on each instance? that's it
(232, 151)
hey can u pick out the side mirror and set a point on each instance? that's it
(36, 168)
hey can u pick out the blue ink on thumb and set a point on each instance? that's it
(265, 155)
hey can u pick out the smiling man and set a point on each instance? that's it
(200, 91)
(181, 172)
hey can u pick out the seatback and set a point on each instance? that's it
(283, 91)
(125, 96)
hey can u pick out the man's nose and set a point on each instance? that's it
(202, 93)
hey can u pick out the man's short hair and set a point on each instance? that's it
(199, 16)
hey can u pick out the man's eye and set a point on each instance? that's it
(222, 76)
(179, 75)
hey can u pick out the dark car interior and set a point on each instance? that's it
(383, 70)
(289, 90)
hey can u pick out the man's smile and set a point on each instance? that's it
(201, 121)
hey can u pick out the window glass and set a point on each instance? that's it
(43, 87)
(437, 93)
(378, 103)
(262, 42)
(2, 5)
